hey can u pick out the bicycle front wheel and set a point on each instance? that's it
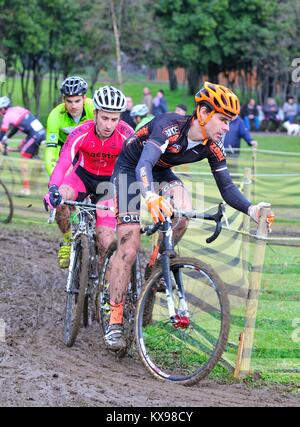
(188, 352)
(78, 279)
(6, 204)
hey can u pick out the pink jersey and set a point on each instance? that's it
(13, 117)
(94, 155)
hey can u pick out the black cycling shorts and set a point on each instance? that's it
(128, 190)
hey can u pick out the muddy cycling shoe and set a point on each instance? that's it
(64, 255)
(114, 338)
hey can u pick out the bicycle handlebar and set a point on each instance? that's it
(79, 204)
(217, 217)
(88, 205)
(151, 229)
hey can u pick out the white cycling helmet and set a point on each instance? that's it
(73, 86)
(4, 102)
(110, 99)
(139, 110)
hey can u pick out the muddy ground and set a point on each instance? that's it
(37, 369)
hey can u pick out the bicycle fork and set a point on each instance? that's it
(180, 317)
(71, 265)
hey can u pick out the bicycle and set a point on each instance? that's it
(6, 204)
(182, 315)
(82, 282)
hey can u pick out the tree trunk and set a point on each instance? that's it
(11, 87)
(213, 71)
(50, 88)
(173, 84)
(193, 80)
(25, 74)
(117, 42)
(56, 93)
(37, 87)
(94, 77)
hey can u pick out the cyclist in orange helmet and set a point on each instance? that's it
(144, 167)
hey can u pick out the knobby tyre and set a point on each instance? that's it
(76, 293)
(184, 354)
(6, 204)
(103, 298)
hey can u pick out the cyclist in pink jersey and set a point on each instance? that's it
(85, 166)
(20, 119)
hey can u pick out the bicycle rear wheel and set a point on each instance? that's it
(6, 204)
(103, 307)
(78, 276)
(187, 353)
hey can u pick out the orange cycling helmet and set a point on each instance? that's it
(222, 99)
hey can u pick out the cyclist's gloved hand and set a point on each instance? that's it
(53, 198)
(254, 211)
(158, 206)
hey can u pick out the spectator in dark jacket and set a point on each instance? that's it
(159, 104)
(270, 110)
(249, 114)
(232, 140)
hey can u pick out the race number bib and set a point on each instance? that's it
(36, 125)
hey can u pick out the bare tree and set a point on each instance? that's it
(117, 43)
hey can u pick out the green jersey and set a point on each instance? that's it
(143, 122)
(59, 125)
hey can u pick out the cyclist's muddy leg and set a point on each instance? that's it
(63, 212)
(128, 246)
(104, 237)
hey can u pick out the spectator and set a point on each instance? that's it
(270, 110)
(249, 114)
(147, 100)
(232, 139)
(159, 104)
(20, 119)
(125, 116)
(290, 110)
(181, 109)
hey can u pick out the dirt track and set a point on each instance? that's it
(36, 369)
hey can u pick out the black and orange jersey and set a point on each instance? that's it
(163, 143)
(168, 132)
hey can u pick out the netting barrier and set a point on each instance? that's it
(261, 272)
